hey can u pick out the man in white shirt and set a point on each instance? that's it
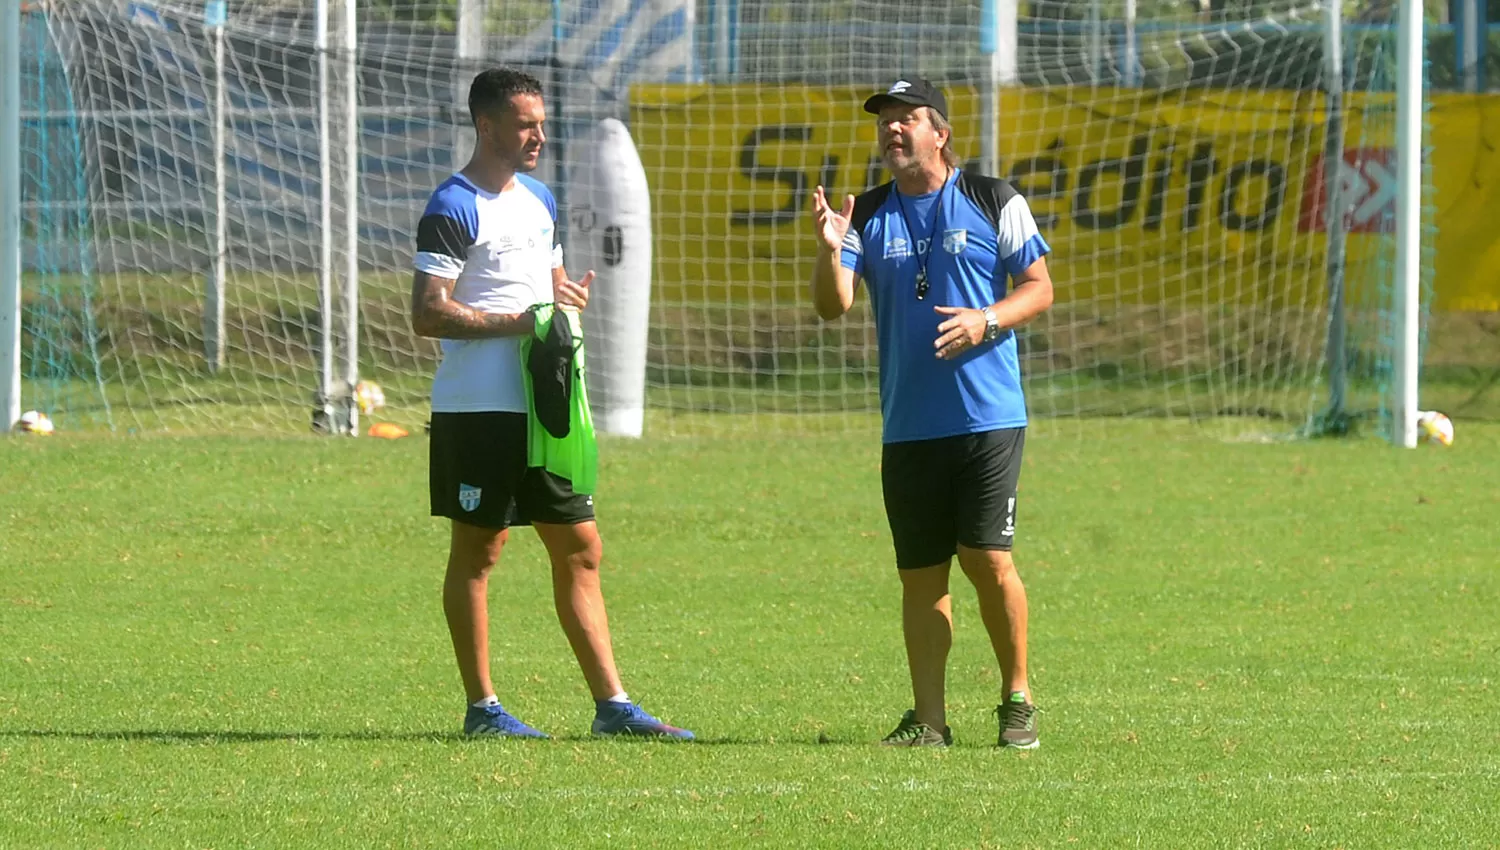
(487, 251)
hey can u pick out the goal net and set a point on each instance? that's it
(220, 200)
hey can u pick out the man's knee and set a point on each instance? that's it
(924, 583)
(986, 565)
(475, 550)
(573, 548)
(587, 559)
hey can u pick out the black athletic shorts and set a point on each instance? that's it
(949, 491)
(477, 474)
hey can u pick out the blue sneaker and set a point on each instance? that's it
(627, 718)
(495, 720)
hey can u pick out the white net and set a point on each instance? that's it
(1174, 165)
(1171, 161)
(191, 258)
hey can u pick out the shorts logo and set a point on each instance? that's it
(897, 248)
(1010, 518)
(468, 497)
(954, 241)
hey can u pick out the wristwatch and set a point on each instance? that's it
(992, 325)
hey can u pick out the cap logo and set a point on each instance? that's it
(899, 87)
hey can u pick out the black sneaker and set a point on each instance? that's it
(1017, 723)
(911, 732)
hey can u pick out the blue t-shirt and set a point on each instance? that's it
(984, 233)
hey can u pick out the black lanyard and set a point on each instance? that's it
(922, 285)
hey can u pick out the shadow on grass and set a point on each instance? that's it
(208, 736)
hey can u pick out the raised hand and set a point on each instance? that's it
(831, 224)
(574, 294)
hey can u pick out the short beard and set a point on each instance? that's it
(913, 164)
(520, 164)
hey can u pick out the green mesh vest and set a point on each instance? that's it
(560, 429)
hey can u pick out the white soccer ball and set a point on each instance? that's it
(369, 396)
(34, 422)
(1436, 427)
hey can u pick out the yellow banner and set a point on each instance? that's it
(1145, 197)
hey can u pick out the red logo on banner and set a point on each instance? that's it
(1367, 180)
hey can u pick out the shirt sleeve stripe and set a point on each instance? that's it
(1019, 241)
(1032, 250)
(852, 242)
(438, 265)
(852, 255)
(440, 234)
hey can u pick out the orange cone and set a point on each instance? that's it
(387, 430)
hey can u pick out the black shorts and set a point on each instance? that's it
(477, 475)
(949, 491)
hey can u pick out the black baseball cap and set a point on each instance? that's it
(911, 90)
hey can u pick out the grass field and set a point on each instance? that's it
(237, 642)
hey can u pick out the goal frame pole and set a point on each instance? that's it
(323, 416)
(349, 55)
(997, 44)
(1336, 417)
(561, 126)
(214, 19)
(469, 26)
(10, 210)
(1408, 282)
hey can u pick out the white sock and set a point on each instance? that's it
(620, 697)
(487, 702)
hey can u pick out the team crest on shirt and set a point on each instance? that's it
(468, 497)
(897, 248)
(954, 241)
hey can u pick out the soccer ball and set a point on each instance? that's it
(1436, 427)
(32, 422)
(369, 396)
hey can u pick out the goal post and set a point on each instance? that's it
(219, 226)
(1410, 154)
(1335, 419)
(215, 18)
(1185, 167)
(10, 212)
(998, 20)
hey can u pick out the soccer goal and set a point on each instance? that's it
(210, 214)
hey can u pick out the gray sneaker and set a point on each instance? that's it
(911, 732)
(1017, 724)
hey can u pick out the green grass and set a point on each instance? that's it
(237, 642)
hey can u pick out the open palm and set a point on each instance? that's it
(832, 224)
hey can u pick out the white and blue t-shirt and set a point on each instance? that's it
(971, 236)
(500, 248)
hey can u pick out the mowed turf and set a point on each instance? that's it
(215, 642)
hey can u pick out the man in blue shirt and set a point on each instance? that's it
(935, 248)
